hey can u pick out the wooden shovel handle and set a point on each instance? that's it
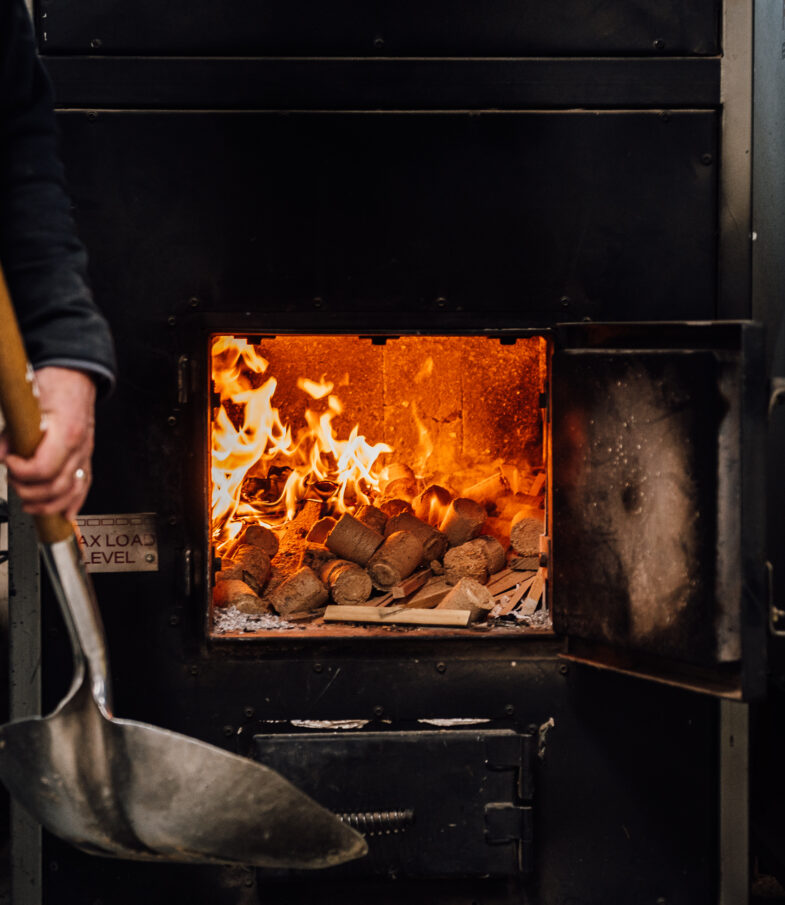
(20, 407)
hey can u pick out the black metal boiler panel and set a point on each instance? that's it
(466, 219)
(406, 28)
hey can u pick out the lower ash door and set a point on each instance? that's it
(432, 803)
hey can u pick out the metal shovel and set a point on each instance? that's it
(126, 789)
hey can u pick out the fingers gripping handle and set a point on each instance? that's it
(20, 406)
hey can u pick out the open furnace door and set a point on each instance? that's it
(658, 515)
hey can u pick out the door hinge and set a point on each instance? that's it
(514, 752)
(508, 823)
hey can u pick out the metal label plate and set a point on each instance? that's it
(119, 543)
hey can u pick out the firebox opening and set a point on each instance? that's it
(363, 487)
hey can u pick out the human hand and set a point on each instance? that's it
(56, 479)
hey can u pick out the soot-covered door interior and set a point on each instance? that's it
(658, 546)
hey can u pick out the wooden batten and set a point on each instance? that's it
(397, 615)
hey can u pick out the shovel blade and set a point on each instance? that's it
(129, 790)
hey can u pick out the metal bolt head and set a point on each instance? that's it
(149, 557)
(249, 712)
(171, 320)
(707, 160)
(378, 42)
(193, 302)
(171, 420)
(228, 731)
(564, 669)
(659, 44)
(317, 667)
(378, 710)
(564, 301)
(174, 620)
(194, 670)
(95, 43)
(509, 709)
(441, 667)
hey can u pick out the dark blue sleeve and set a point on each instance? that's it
(44, 261)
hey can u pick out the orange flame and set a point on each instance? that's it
(249, 440)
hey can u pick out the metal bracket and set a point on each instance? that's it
(777, 393)
(776, 615)
(183, 379)
(3, 521)
(505, 822)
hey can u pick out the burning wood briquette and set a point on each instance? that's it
(351, 539)
(394, 507)
(431, 503)
(258, 536)
(462, 521)
(526, 528)
(398, 482)
(478, 559)
(466, 561)
(348, 583)
(495, 554)
(396, 559)
(300, 593)
(319, 530)
(249, 564)
(314, 556)
(488, 491)
(372, 517)
(434, 543)
(236, 593)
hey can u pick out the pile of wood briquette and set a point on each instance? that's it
(426, 558)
